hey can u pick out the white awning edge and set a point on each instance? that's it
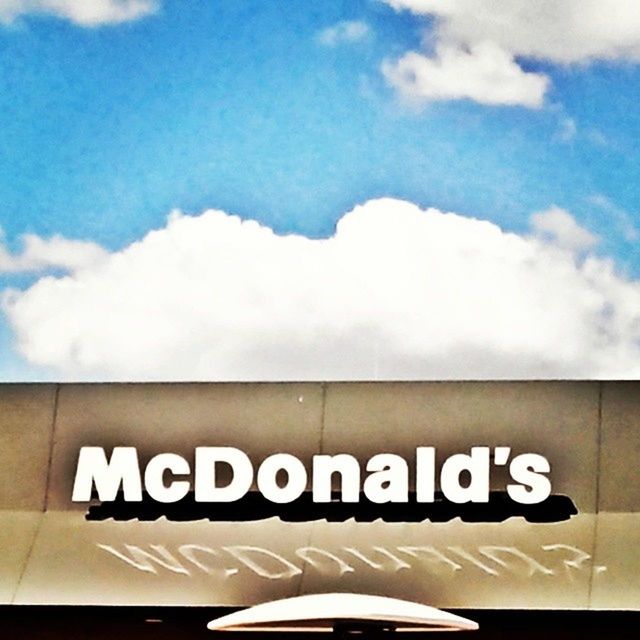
(320, 612)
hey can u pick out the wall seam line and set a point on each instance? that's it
(321, 448)
(594, 544)
(45, 501)
(51, 445)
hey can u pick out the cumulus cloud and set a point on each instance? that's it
(560, 227)
(557, 31)
(344, 31)
(397, 292)
(40, 254)
(485, 73)
(86, 13)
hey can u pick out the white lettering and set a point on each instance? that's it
(296, 478)
(93, 469)
(323, 469)
(205, 481)
(389, 481)
(154, 477)
(527, 469)
(226, 474)
(425, 474)
(477, 466)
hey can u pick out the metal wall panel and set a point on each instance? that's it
(618, 533)
(26, 423)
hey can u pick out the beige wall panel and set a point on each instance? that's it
(620, 442)
(26, 421)
(196, 563)
(556, 419)
(513, 564)
(618, 532)
(617, 549)
(17, 534)
(260, 419)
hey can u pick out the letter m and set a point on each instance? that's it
(93, 469)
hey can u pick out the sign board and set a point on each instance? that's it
(575, 549)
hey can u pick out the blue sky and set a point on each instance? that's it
(241, 106)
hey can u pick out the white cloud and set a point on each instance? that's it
(87, 13)
(557, 31)
(345, 31)
(619, 217)
(396, 292)
(558, 226)
(40, 254)
(567, 130)
(485, 74)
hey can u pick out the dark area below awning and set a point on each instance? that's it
(189, 623)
